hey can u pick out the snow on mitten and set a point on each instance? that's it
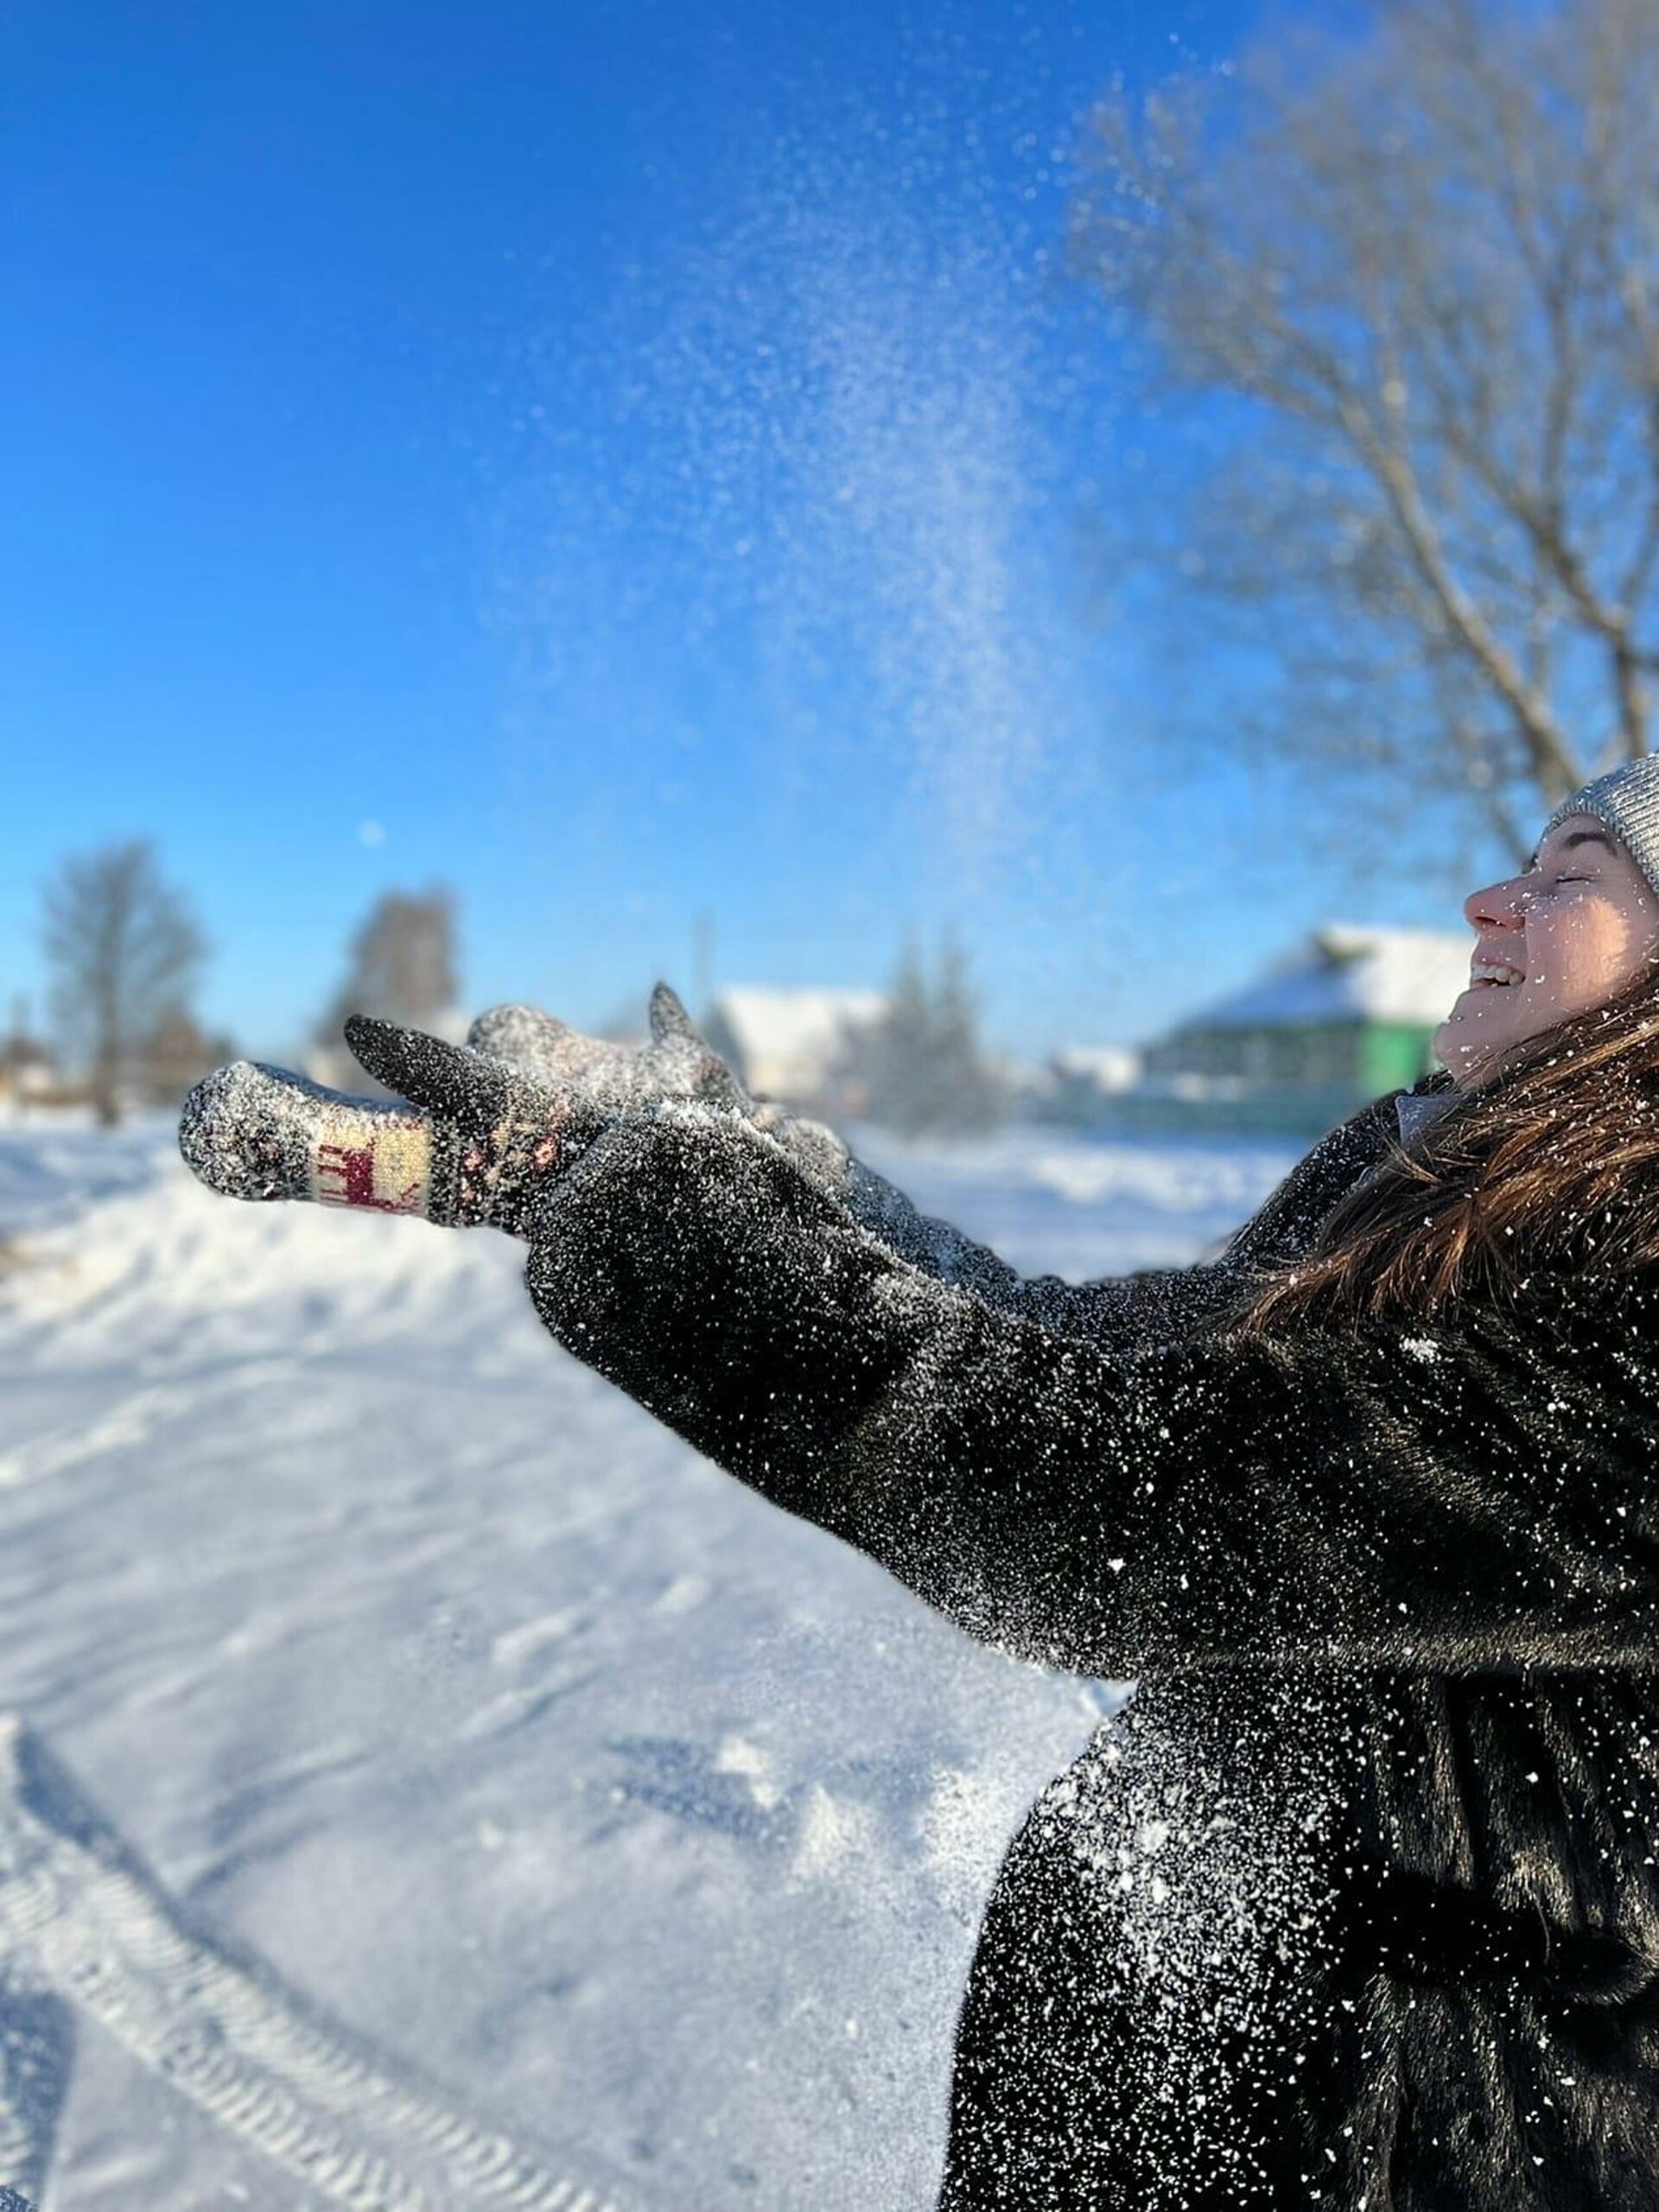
(677, 1063)
(477, 1142)
(684, 1064)
(680, 1063)
(503, 1115)
(250, 1131)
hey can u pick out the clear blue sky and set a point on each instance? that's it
(620, 461)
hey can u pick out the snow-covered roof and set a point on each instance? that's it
(787, 1041)
(793, 1021)
(1345, 971)
(1112, 1066)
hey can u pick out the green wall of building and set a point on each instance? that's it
(1392, 1055)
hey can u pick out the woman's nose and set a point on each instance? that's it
(1497, 907)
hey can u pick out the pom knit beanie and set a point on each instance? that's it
(1627, 800)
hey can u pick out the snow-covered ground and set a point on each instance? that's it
(648, 1824)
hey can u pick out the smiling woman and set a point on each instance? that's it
(1571, 932)
(1355, 1904)
(1540, 1145)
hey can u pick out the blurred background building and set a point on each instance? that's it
(794, 1044)
(1344, 1016)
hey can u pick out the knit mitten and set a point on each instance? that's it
(477, 1141)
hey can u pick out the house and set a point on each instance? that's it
(792, 1044)
(28, 1074)
(1346, 1015)
(1080, 1083)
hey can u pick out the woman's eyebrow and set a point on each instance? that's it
(1579, 838)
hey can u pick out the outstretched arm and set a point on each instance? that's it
(1153, 1307)
(1131, 1312)
(1468, 1495)
(1150, 1305)
(256, 1132)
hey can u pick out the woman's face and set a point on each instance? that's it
(1570, 934)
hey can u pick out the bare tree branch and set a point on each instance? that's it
(1423, 268)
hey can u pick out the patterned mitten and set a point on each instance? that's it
(477, 1142)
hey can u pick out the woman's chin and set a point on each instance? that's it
(1453, 1037)
(1465, 1046)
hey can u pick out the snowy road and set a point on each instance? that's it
(535, 1751)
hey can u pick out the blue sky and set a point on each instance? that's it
(621, 462)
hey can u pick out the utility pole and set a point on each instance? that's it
(703, 963)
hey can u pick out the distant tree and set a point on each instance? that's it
(1410, 279)
(401, 965)
(124, 953)
(919, 1067)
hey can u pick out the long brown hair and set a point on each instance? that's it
(1554, 1164)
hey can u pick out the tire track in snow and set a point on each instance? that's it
(81, 1916)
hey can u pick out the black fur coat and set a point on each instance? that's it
(1355, 1904)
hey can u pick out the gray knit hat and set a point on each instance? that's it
(1627, 800)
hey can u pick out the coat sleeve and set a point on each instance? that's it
(1135, 1312)
(1460, 1495)
(1123, 1312)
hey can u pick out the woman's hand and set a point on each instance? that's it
(622, 1078)
(477, 1141)
(485, 1127)
(499, 1134)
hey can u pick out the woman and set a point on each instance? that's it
(1356, 1903)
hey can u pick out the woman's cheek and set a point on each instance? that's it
(1585, 958)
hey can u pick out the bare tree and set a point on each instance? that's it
(1411, 281)
(124, 953)
(401, 965)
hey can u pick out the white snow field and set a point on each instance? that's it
(501, 1767)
